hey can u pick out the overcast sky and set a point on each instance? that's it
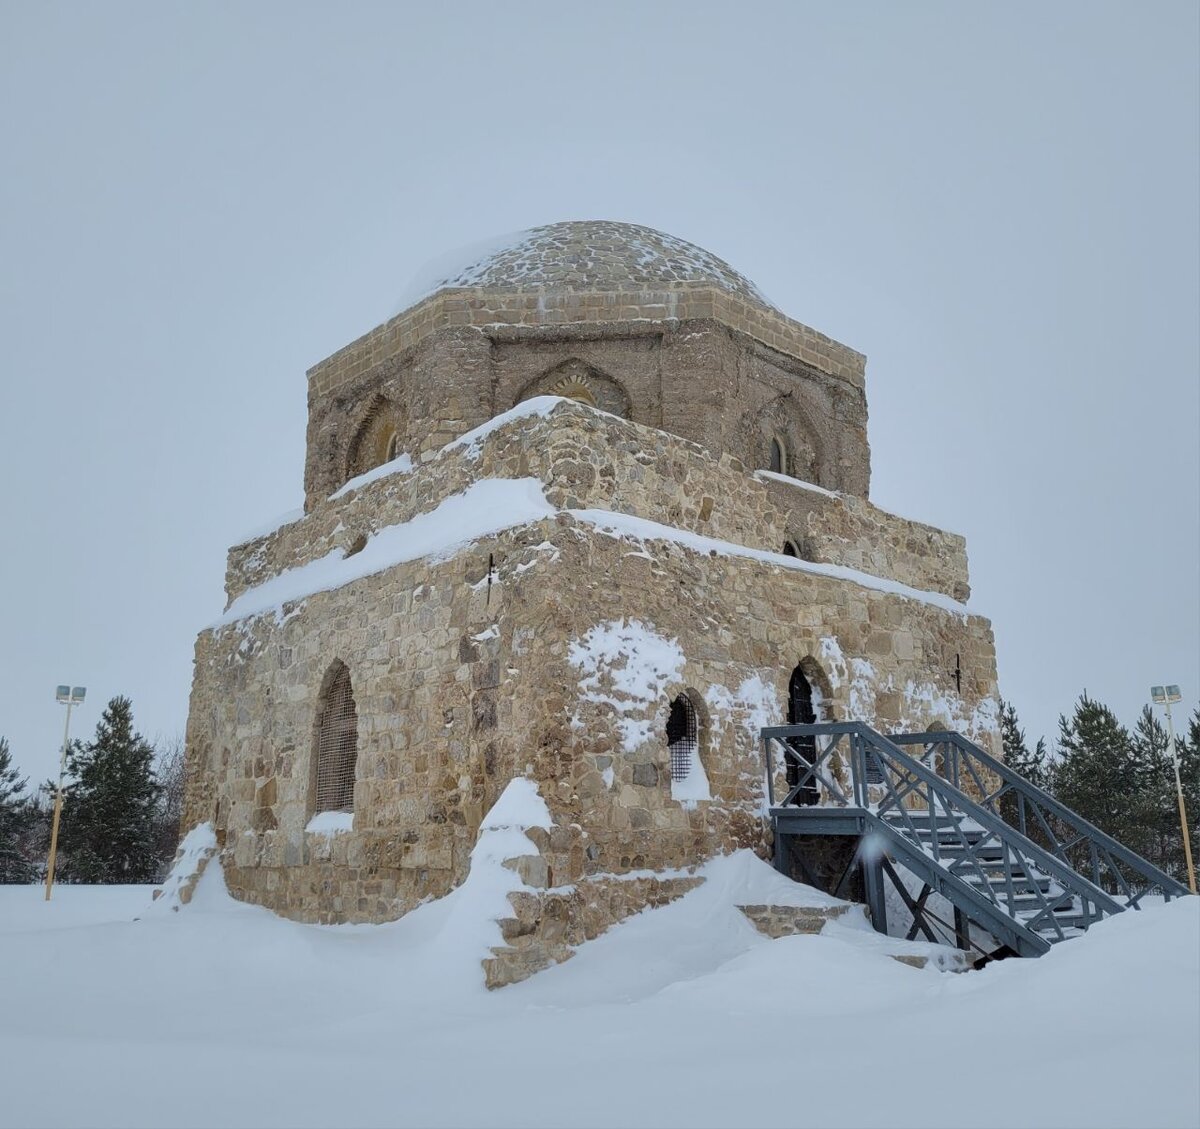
(996, 203)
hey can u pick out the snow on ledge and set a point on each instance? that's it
(486, 507)
(799, 483)
(692, 787)
(331, 823)
(473, 439)
(625, 525)
(273, 526)
(401, 464)
(493, 505)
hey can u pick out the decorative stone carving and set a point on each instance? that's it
(378, 437)
(576, 380)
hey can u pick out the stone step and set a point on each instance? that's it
(787, 921)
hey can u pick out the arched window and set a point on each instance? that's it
(778, 457)
(802, 712)
(790, 550)
(689, 781)
(378, 439)
(336, 752)
(683, 738)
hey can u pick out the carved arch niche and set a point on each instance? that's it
(577, 380)
(378, 438)
(783, 441)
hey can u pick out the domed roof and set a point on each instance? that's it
(586, 255)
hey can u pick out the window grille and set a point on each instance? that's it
(337, 745)
(683, 737)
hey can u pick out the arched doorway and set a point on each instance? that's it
(802, 712)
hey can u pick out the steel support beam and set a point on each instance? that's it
(872, 873)
(781, 845)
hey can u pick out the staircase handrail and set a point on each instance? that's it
(1084, 829)
(998, 921)
(951, 797)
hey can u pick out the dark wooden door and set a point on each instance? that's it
(801, 712)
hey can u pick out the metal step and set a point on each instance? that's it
(919, 817)
(1022, 904)
(1068, 933)
(989, 852)
(994, 875)
(1064, 916)
(998, 891)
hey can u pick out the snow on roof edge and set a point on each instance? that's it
(611, 521)
(486, 507)
(798, 483)
(476, 512)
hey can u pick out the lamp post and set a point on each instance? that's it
(69, 696)
(1164, 696)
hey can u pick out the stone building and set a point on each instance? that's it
(592, 512)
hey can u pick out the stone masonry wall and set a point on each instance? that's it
(482, 308)
(698, 379)
(741, 627)
(460, 687)
(849, 531)
(594, 461)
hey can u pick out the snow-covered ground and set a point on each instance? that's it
(222, 1014)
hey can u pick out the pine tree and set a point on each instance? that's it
(108, 822)
(35, 836)
(1032, 766)
(1017, 756)
(1154, 833)
(1097, 775)
(1189, 769)
(14, 820)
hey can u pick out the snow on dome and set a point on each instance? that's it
(582, 255)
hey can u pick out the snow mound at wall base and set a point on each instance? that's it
(196, 850)
(470, 928)
(706, 936)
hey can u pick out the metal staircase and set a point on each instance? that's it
(930, 804)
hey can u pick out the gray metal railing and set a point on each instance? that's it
(986, 866)
(1067, 835)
